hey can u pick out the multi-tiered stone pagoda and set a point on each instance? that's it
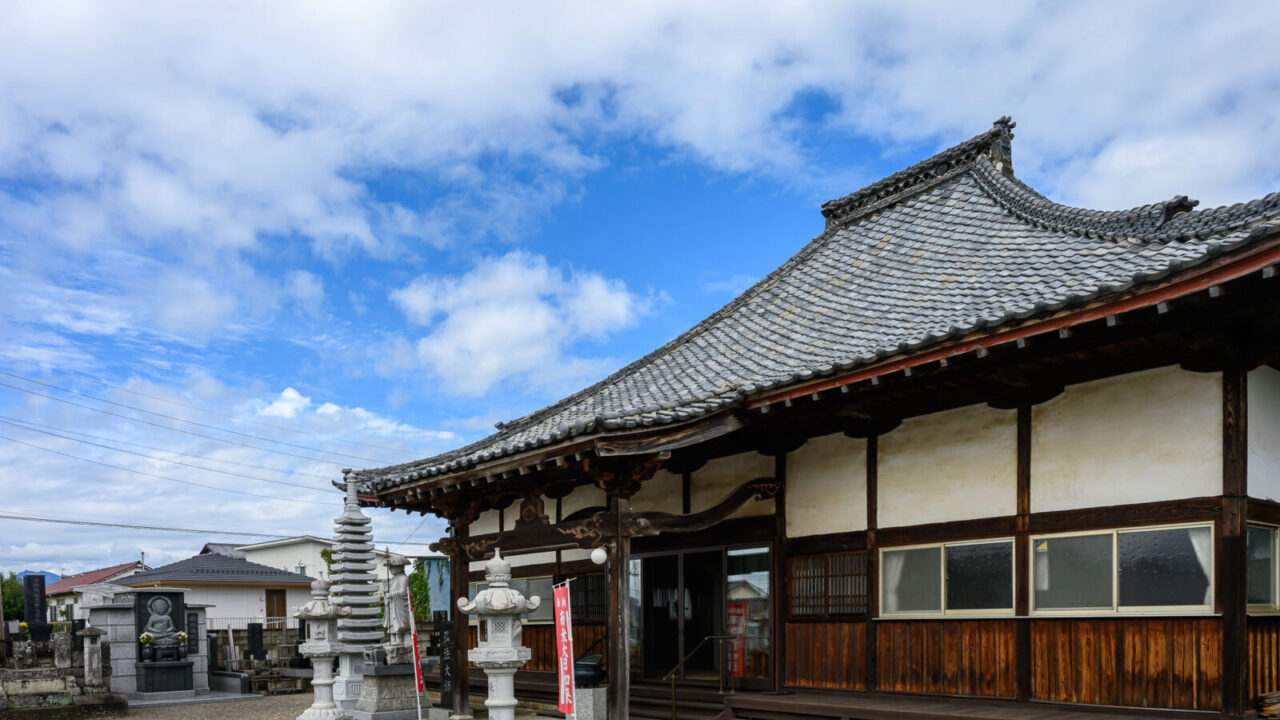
(354, 586)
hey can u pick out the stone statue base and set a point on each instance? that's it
(388, 693)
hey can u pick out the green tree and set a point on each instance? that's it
(421, 591)
(11, 591)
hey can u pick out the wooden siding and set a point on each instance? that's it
(1264, 655)
(540, 639)
(1135, 662)
(829, 655)
(947, 657)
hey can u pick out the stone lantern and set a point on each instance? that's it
(321, 617)
(499, 652)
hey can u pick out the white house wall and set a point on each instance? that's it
(240, 604)
(827, 486)
(1143, 437)
(710, 483)
(955, 465)
(1264, 433)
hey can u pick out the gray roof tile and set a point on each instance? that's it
(948, 246)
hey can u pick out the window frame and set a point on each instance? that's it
(1116, 609)
(1273, 608)
(856, 558)
(943, 611)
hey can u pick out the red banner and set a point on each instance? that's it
(417, 663)
(738, 629)
(564, 648)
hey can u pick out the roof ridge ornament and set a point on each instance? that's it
(996, 144)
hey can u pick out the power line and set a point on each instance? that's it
(156, 528)
(190, 422)
(152, 457)
(91, 523)
(166, 427)
(190, 406)
(161, 477)
(164, 450)
(416, 528)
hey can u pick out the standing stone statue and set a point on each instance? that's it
(499, 653)
(321, 620)
(397, 614)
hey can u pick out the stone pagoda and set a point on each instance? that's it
(354, 586)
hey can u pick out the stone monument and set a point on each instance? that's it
(353, 588)
(160, 624)
(499, 652)
(321, 618)
(389, 690)
(35, 612)
(164, 668)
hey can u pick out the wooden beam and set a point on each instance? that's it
(1233, 554)
(654, 523)
(459, 569)
(873, 562)
(1022, 580)
(779, 590)
(667, 438)
(619, 691)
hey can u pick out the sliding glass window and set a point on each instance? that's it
(1140, 570)
(962, 578)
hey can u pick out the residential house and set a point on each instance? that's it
(63, 602)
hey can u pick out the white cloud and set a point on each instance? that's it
(306, 289)
(288, 404)
(513, 316)
(58, 486)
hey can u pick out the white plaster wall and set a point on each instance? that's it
(959, 464)
(485, 524)
(827, 486)
(583, 496)
(663, 492)
(719, 477)
(1142, 437)
(1264, 433)
(537, 558)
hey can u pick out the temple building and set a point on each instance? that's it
(968, 450)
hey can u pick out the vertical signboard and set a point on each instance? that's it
(738, 629)
(564, 648)
(417, 662)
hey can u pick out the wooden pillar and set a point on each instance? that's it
(460, 569)
(619, 693)
(1021, 571)
(779, 639)
(873, 562)
(1231, 543)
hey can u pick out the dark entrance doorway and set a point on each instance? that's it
(682, 598)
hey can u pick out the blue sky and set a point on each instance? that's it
(326, 235)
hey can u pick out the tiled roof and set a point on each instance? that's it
(88, 578)
(222, 549)
(215, 568)
(947, 247)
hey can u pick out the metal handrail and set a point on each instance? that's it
(672, 675)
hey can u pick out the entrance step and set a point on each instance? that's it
(652, 701)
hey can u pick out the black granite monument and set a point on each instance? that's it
(164, 666)
(35, 612)
(255, 651)
(444, 641)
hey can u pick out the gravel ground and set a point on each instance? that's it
(279, 707)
